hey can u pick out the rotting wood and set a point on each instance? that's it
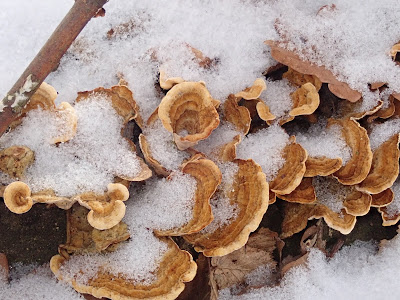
(47, 59)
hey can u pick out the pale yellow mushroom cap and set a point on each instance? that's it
(17, 197)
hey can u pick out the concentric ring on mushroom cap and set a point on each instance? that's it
(250, 193)
(237, 115)
(175, 268)
(188, 108)
(384, 169)
(208, 177)
(359, 165)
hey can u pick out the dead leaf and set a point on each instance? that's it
(232, 269)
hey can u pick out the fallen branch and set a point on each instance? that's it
(47, 59)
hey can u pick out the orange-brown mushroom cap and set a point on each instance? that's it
(385, 167)
(254, 91)
(250, 193)
(208, 177)
(175, 268)
(188, 108)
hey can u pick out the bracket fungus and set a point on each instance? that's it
(15, 160)
(208, 177)
(106, 210)
(188, 111)
(175, 268)
(384, 168)
(253, 92)
(248, 192)
(359, 165)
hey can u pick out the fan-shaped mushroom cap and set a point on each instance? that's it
(155, 164)
(167, 83)
(208, 177)
(322, 166)
(394, 50)
(106, 216)
(17, 197)
(250, 193)
(289, 58)
(359, 165)
(299, 79)
(357, 203)
(305, 100)
(295, 218)
(342, 222)
(303, 194)
(383, 198)
(264, 112)
(388, 220)
(292, 172)
(254, 91)
(121, 99)
(15, 160)
(237, 115)
(385, 167)
(228, 151)
(384, 113)
(107, 210)
(67, 120)
(188, 107)
(175, 268)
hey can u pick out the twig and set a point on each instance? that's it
(47, 59)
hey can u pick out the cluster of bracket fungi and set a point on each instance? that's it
(190, 114)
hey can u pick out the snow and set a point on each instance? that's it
(356, 272)
(380, 133)
(277, 97)
(352, 39)
(223, 134)
(30, 282)
(265, 147)
(330, 192)
(88, 162)
(224, 210)
(161, 204)
(163, 148)
(320, 141)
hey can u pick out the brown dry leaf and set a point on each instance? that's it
(295, 218)
(231, 269)
(294, 262)
(289, 58)
(299, 79)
